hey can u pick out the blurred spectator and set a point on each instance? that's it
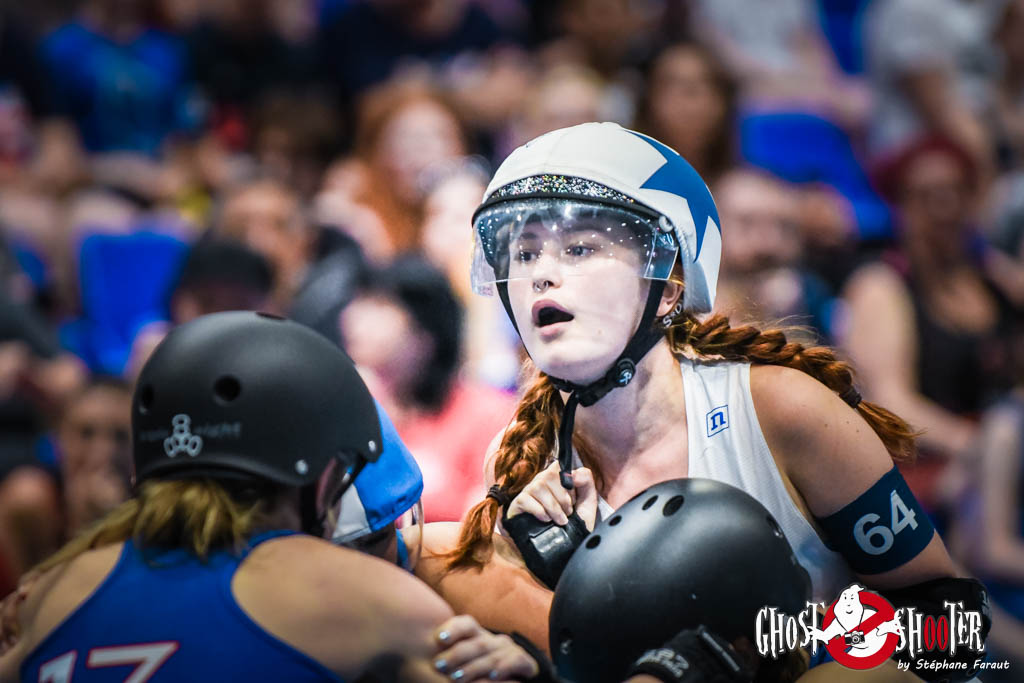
(927, 61)
(612, 38)
(990, 531)
(36, 379)
(368, 41)
(243, 49)
(293, 138)
(761, 278)
(689, 103)
(315, 268)
(93, 448)
(559, 96)
(217, 275)
(404, 332)
(492, 345)
(123, 82)
(330, 284)
(606, 35)
(267, 217)
(923, 319)
(781, 58)
(1008, 98)
(404, 130)
(30, 521)
(220, 276)
(23, 96)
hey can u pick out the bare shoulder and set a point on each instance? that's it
(794, 406)
(339, 573)
(439, 538)
(821, 444)
(305, 591)
(874, 279)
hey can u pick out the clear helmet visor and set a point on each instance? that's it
(399, 542)
(520, 239)
(330, 489)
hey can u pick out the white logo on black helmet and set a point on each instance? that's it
(182, 440)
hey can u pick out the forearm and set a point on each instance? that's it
(1004, 560)
(941, 430)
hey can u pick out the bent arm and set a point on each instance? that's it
(882, 342)
(503, 595)
(832, 456)
(1001, 546)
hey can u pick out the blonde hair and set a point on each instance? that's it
(198, 515)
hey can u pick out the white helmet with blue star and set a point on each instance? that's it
(638, 191)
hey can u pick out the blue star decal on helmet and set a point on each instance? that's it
(677, 177)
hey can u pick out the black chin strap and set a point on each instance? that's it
(619, 375)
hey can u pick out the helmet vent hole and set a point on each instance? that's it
(226, 389)
(593, 542)
(146, 396)
(674, 503)
(270, 316)
(649, 502)
(614, 520)
(775, 527)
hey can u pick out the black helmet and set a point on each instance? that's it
(682, 553)
(250, 395)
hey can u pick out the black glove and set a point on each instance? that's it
(693, 656)
(545, 546)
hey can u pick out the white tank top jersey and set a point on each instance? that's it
(726, 444)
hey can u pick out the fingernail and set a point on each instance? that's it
(440, 664)
(458, 675)
(443, 636)
(493, 675)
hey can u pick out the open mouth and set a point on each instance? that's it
(549, 315)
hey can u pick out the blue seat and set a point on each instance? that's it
(802, 148)
(124, 281)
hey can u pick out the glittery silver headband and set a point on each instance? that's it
(559, 184)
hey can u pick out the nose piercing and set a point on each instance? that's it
(541, 286)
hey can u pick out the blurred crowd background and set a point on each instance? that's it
(162, 159)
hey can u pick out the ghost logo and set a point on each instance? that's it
(860, 629)
(182, 440)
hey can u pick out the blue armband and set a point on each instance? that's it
(882, 529)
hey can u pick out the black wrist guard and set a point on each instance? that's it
(545, 546)
(546, 670)
(693, 656)
(929, 598)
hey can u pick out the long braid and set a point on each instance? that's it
(714, 338)
(524, 452)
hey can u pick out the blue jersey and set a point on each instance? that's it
(167, 617)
